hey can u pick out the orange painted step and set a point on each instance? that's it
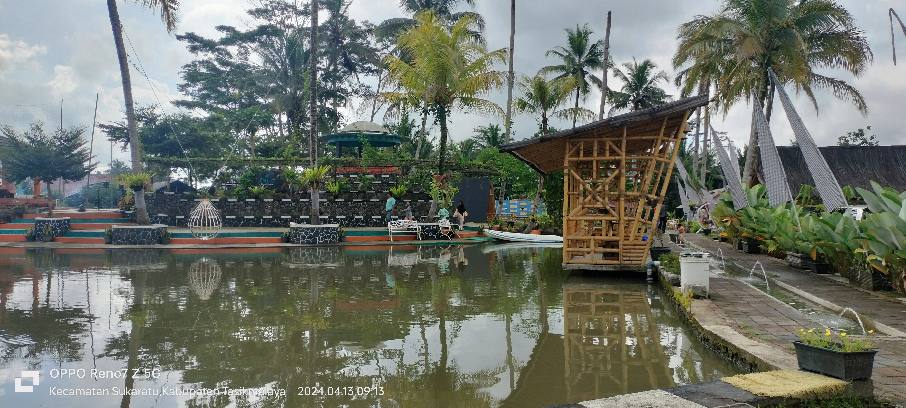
(236, 240)
(15, 226)
(378, 238)
(79, 240)
(75, 215)
(12, 238)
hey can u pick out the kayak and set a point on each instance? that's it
(519, 237)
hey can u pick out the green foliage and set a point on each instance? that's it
(834, 340)
(670, 263)
(806, 196)
(260, 192)
(335, 186)
(135, 181)
(314, 177)
(37, 155)
(858, 137)
(543, 97)
(884, 241)
(399, 191)
(579, 62)
(442, 193)
(683, 298)
(91, 195)
(552, 195)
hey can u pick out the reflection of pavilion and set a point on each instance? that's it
(611, 342)
(611, 345)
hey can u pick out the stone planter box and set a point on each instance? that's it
(845, 366)
(139, 234)
(306, 234)
(821, 267)
(797, 260)
(657, 251)
(431, 232)
(46, 229)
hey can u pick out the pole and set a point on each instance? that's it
(94, 121)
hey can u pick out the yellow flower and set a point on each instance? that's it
(811, 330)
(827, 332)
(843, 334)
(871, 332)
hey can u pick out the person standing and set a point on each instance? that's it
(388, 207)
(409, 216)
(460, 214)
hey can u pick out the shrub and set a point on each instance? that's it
(670, 263)
(835, 341)
(136, 181)
(399, 191)
(335, 186)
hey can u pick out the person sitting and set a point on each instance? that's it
(460, 214)
(443, 214)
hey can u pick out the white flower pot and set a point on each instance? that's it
(695, 271)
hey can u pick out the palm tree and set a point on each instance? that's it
(510, 77)
(442, 9)
(640, 88)
(314, 178)
(577, 60)
(542, 97)
(491, 136)
(794, 38)
(448, 68)
(313, 89)
(168, 10)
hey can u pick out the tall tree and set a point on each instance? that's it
(578, 59)
(443, 9)
(794, 38)
(449, 68)
(313, 87)
(491, 136)
(542, 97)
(35, 154)
(641, 86)
(168, 10)
(607, 64)
(510, 76)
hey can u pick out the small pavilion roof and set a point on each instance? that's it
(351, 135)
(545, 153)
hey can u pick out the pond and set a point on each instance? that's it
(407, 326)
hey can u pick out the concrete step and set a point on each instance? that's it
(79, 215)
(79, 240)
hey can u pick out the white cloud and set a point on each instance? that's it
(16, 52)
(65, 80)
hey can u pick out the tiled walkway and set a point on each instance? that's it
(761, 317)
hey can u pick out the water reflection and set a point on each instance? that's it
(434, 326)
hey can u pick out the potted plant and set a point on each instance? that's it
(835, 354)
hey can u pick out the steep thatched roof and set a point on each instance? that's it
(546, 153)
(852, 165)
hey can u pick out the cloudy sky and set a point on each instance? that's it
(63, 49)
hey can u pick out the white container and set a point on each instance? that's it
(695, 270)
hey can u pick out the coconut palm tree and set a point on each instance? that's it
(542, 97)
(448, 68)
(314, 178)
(578, 59)
(491, 136)
(510, 77)
(442, 9)
(313, 89)
(794, 38)
(168, 14)
(640, 88)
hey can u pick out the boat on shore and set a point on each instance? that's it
(519, 237)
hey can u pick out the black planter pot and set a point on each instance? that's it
(739, 245)
(751, 246)
(657, 251)
(866, 277)
(845, 366)
(821, 268)
(705, 231)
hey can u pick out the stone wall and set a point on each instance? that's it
(138, 235)
(348, 209)
(313, 234)
(46, 229)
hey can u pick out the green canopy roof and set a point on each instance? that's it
(352, 134)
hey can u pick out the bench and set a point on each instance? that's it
(404, 226)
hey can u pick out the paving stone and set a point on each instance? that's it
(646, 399)
(714, 394)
